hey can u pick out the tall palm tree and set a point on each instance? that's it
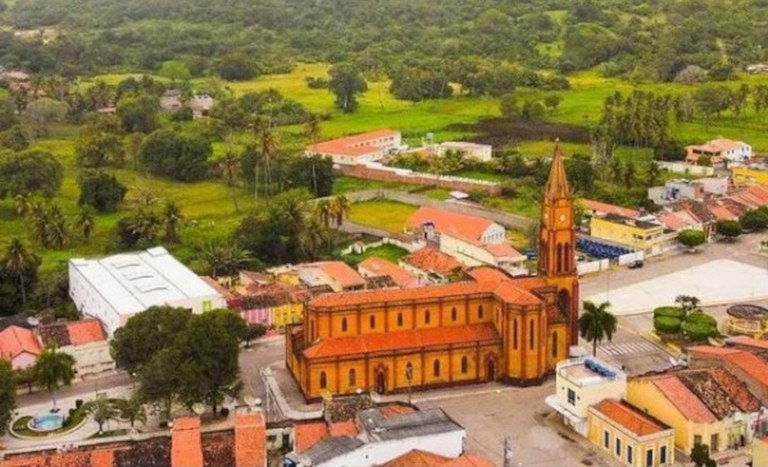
(341, 209)
(323, 211)
(313, 236)
(172, 218)
(17, 261)
(229, 168)
(132, 409)
(268, 145)
(54, 368)
(102, 411)
(312, 127)
(23, 204)
(85, 220)
(57, 234)
(597, 323)
(224, 259)
(40, 220)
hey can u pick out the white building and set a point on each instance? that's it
(117, 287)
(358, 149)
(384, 437)
(582, 382)
(85, 340)
(429, 223)
(481, 152)
(719, 149)
(474, 253)
(677, 190)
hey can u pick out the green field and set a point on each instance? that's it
(382, 214)
(388, 252)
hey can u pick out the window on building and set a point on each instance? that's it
(352, 377)
(343, 324)
(697, 439)
(649, 458)
(714, 444)
(663, 455)
(530, 335)
(571, 396)
(514, 334)
(606, 439)
(454, 314)
(554, 345)
(400, 320)
(323, 380)
(480, 312)
(426, 317)
(618, 447)
(372, 321)
(464, 364)
(629, 454)
(436, 368)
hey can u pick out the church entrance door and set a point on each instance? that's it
(381, 382)
(491, 373)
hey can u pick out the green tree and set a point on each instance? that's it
(688, 304)
(40, 114)
(711, 100)
(754, 220)
(15, 138)
(223, 258)
(100, 143)
(139, 114)
(700, 456)
(254, 331)
(532, 111)
(346, 83)
(341, 208)
(508, 106)
(160, 380)
(29, 172)
(102, 411)
(730, 229)
(653, 174)
(691, 238)
(314, 173)
(101, 190)
(7, 394)
(8, 116)
(132, 409)
(175, 70)
(312, 127)
(176, 155)
(172, 219)
(85, 221)
(236, 66)
(552, 101)
(54, 368)
(19, 263)
(145, 335)
(597, 323)
(57, 230)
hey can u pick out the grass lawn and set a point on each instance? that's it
(382, 214)
(389, 252)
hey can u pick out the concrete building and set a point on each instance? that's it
(358, 149)
(647, 237)
(723, 149)
(378, 267)
(481, 152)
(338, 275)
(581, 383)
(630, 436)
(677, 190)
(474, 253)
(85, 340)
(115, 288)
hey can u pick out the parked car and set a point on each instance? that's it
(637, 264)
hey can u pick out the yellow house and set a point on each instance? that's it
(760, 452)
(743, 176)
(287, 313)
(630, 436)
(668, 399)
(639, 235)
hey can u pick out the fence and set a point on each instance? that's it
(593, 266)
(683, 168)
(357, 248)
(387, 174)
(630, 258)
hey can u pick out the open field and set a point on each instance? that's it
(382, 214)
(389, 252)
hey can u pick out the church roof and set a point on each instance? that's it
(557, 184)
(400, 340)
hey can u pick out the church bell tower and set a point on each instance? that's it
(557, 243)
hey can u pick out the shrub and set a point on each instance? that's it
(670, 311)
(667, 324)
(78, 403)
(699, 327)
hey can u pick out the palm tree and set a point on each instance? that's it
(268, 145)
(313, 236)
(172, 218)
(323, 211)
(229, 167)
(17, 262)
(56, 235)
(312, 127)
(132, 409)
(54, 368)
(40, 220)
(688, 304)
(629, 174)
(23, 204)
(653, 174)
(102, 411)
(224, 259)
(84, 222)
(341, 209)
(597, 323)
(145, 224)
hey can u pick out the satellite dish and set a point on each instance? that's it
(198, 408)
(250, 400)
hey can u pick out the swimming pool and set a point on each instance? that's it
(47, 422)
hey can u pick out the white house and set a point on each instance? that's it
(429, 223)
(358, 149)
(718, 149)
(338, 275)
(582, 382)
(481, 152)
(117, 287)
(474, 253)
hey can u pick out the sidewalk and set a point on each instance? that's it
(282, 391)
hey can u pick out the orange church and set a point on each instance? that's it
(489, 328)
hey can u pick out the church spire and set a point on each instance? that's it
(557, 185)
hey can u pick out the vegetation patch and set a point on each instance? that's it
(389, 252)
(382, 214)
(502, 132)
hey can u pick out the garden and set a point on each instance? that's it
(685, 323)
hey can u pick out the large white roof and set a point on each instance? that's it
(133, 282)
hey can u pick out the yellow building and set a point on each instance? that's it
(743, 176)
(639, 235)
(630, 436)
(493, 328)
(286, 314)
(759, 450)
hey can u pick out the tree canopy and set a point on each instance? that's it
(29, 172)
(180, 156)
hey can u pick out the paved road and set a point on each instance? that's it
(82, 389)
(261, 354)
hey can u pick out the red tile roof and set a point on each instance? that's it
(395, 410)
(600, 207)
(686, 402)
(452, 223)
(737, 391)
(503, 250)
(307, 435)
(186, 446)
(381, 267)
(521, 297)
(469, 461)
(250, 440)
(432, 260)
(629, 417)
(355, 145)
(400, 340)
(348, 428)
(487, 274)
(86, 332)
(417, 458)
(339, 271)
(749, 363)
(747, 341)
(15, 340)
(676, 220)
(721, 212)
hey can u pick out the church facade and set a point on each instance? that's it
(489, 328)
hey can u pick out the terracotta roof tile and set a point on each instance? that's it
(747, 341)
(721, 212)
(186, 445)
(374, 266)
(432, 260)
(355, 145)
(452, 223)
(417, 458)
(395, 410)
(600, 207)
(250, 440)
(86, 332)
(742, 398)
(415, 338)
(487, 274)
(681, 397)
(469, 461)
(629, 417)
(15, 340)
(307, 435)
(347, 428)
(340, 271)
(503, 250)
